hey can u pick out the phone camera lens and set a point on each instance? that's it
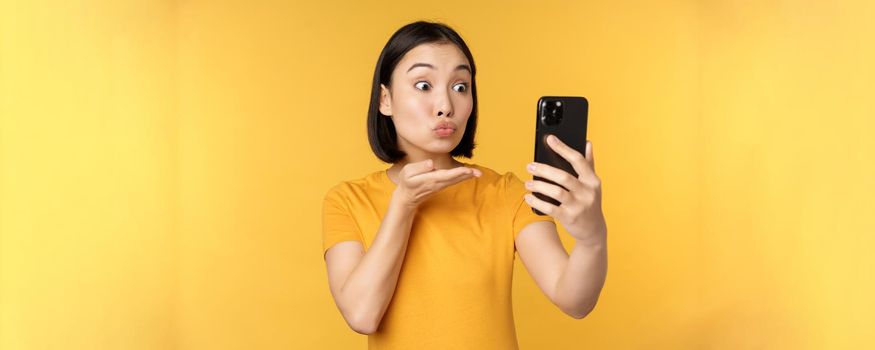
(551, 113)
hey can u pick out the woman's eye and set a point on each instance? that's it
(422, 85)
(460, 87)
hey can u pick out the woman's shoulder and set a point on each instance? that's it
(488, 172)
(497, 178)
(376, 181)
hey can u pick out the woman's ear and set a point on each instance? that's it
(385, 101)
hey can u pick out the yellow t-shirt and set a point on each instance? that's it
(454, 288)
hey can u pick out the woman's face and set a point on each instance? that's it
(430, 99)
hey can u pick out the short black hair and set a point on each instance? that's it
(381, 129)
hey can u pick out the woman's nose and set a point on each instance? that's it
(444, 107)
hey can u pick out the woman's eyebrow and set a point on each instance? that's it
(459, 67)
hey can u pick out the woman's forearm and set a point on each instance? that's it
(371, 285)
(582, 279)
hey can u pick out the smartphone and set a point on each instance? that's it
(565, 117)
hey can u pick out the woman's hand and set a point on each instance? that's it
(580, 209)
(419, 181)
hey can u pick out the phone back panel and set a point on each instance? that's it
(571, 130)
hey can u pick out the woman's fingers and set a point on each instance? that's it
(421, 179)
(543, 206)
(559, 176)
(581, 164)
(549, 190)
(459, 177)
(436, 180)
(445, 175)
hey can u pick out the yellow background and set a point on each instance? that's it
(162, 165)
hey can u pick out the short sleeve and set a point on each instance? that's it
(338, 224)
(522, 211)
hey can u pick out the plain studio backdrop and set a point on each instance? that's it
(163, 163)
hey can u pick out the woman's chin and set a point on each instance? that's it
(442, 147)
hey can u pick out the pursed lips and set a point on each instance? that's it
(445, 125)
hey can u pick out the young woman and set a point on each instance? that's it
(420, 255)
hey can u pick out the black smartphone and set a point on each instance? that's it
(566, 118)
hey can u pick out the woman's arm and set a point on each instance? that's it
(363, 283)
(573, 283)
(582, 278)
